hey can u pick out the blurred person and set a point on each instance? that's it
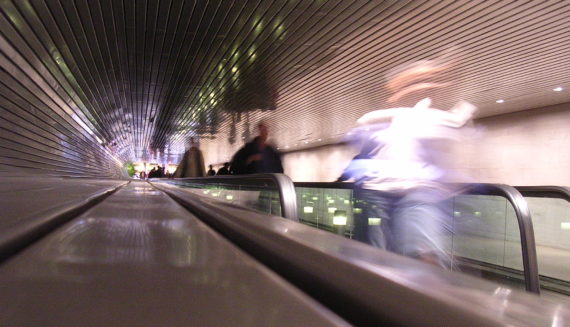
(192, 163)
(257, 156)
(211, 171)
(402, 195)
(356, 167)
(152, 173)
(159, 172)
(225, 170)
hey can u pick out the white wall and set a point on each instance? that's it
(530, 147)
(525, 148)
(322, 164)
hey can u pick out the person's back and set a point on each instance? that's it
(225, 169)
(192, 163)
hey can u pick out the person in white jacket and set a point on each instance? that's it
(403, 195)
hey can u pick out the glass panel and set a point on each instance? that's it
(551, 222)
(485, 241)
(262, 198)
(479, 223)
(327, 209)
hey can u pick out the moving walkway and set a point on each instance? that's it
(117, 254)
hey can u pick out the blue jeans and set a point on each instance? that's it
(416, 223)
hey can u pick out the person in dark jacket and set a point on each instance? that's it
(225, 170)
(257, 156)
(211, 171)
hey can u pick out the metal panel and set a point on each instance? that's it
(140, 259)
(31, 207)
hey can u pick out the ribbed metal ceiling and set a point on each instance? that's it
(134, 79)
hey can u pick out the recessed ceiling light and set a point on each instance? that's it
(557, 89)
(320, 140)
(500, 101)
(306, 142)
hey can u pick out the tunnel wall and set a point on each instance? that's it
(44, 128)
(530, 147)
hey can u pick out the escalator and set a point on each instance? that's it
(209, 252)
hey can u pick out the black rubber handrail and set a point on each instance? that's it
(546, 191)
(528, 246)
(365, 285)
(287, 195)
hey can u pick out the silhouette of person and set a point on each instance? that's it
(257, 156)
(225, 170)
(211, 171)
(192, 163)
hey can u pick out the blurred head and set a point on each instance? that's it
(263, 133)
(211, 167)
(193, 142)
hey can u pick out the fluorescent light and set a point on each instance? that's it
(339, 220)
(500, 101)
(308, 209)
(557, 89)
(374, 221)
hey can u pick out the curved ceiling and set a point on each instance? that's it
(142, 76)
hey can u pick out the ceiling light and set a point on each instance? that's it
(557, 89)
(306, 142)
(320, 140)
(500, 101)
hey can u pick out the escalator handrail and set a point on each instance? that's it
(287, 195)
(528, 246)
(547, 191)
(365, 285)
